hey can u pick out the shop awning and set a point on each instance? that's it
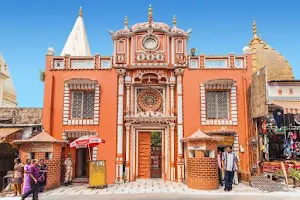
(289, 107)
(6, 133)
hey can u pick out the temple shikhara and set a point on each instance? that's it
(158, 106)
(8, 97)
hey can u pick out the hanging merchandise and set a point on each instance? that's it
(278, 116)
(264, 126)
(266, 144)
(297, 118)
(287, 149)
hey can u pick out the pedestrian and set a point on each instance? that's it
(220, 168)
(18, 176)
(33, 181)
(230, 163)
(26, 183)
(236, 176)
(43, 175)
(68, 170)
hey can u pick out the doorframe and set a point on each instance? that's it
(163, 155)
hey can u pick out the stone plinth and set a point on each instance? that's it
(43, 146)
(202, 163)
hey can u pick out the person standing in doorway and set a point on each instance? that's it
(18, 176)
(68, 170)
(34, 177)
(230, 163)
(220, 167)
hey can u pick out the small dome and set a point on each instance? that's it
(246, 49)
(51, 51)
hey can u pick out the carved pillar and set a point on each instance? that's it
(119, 159)
(180, 163)
(128, 82)
(172, 85)
(172, 143)
(127, 151)
(132, 155)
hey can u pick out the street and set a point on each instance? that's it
(232, 196)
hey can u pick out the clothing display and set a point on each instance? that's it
(279, 117)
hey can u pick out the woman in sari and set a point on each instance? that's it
(43, 175)
(26, 184)
(18, 176)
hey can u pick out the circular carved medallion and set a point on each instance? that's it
(149, 100)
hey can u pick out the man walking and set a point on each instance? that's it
(33, 180)
(69, 170)
(230, 163)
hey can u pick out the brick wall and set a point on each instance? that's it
(22, 115)
(202, 172)
(54, 165)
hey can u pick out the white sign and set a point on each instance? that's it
(197, 148)
(42, 147)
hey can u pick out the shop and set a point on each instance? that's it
(277, 126)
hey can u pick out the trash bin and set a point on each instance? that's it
(97, 174)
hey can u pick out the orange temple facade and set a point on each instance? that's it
(144, 99)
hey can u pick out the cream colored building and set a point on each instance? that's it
(8, 97)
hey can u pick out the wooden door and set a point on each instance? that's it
(144, 154)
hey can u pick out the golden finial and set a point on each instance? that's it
(80, 12)
(254, 29)
(150, 13)
(174, 20)
(126, 21)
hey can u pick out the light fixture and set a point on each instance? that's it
(193, 51)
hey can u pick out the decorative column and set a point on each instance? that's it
(128, 84)
(172, 142)
(127, 151)
(172, 85)
(119, 159)
(180, 162)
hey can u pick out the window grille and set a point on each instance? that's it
(217, 105)
(83, 104)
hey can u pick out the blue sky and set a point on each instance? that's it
(28, 28)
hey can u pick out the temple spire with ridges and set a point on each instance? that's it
(77, 43)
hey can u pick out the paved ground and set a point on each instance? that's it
(158, 189)
(228, 196)
(141, 186)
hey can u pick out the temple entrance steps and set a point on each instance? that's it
(267, 185)
(81, 180)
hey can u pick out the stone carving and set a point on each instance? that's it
(179, 71)
(161, 75)
(121, 72)
(149, 100)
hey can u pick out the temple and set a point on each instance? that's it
(150, 95)
(7, 91)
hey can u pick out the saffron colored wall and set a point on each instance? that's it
(106, 129)
(192, 105)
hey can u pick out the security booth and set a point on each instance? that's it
(97, 168)
(43, 146)
(201, 161)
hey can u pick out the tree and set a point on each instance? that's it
(42, 76)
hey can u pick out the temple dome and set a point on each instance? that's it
(51, 51)
(263, 55)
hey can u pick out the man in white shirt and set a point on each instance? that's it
(230, 164)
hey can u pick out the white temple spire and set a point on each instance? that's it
(77, 43)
